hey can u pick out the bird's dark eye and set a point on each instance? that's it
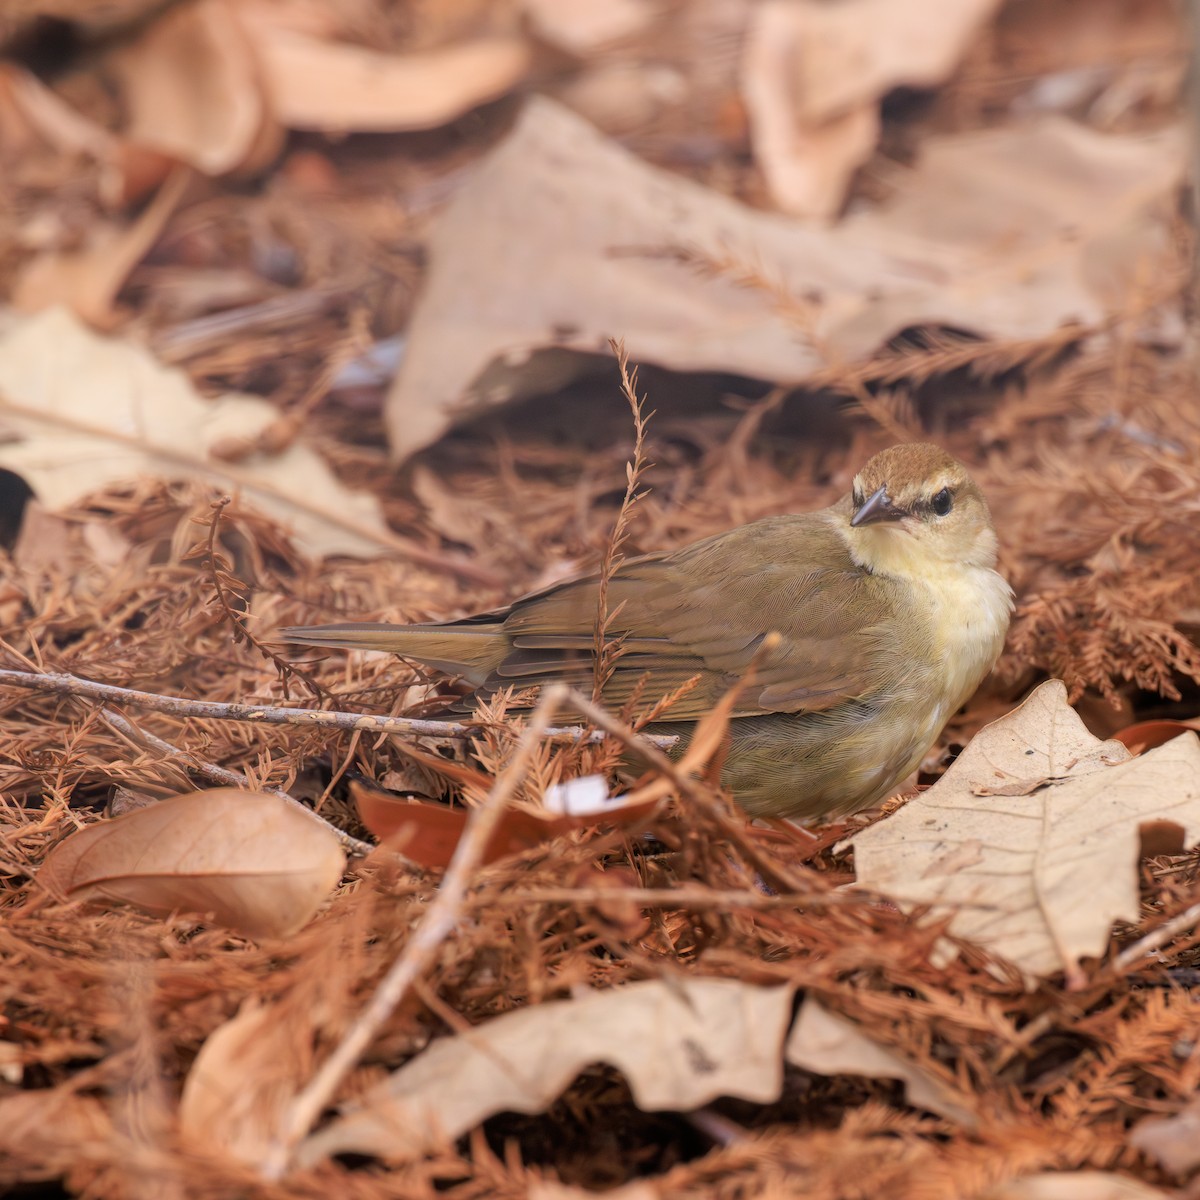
(943, 502)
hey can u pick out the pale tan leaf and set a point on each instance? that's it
(581, 27)
(189, 83)
(337, 87)
(1074, 1185)
(1030, 841)
(823, 1042)
(250, 859)
(679, 1044)
(81, 412)
(561, 237)
(813, 76)
(239, 1087)
(1172, 1142)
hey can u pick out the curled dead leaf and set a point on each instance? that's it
(333, 86)
(1145, 735)
(189, 83)
(814, 74)
(246, 1073)
(251, 859)
(427, 832)
(88, 280)
(679, 1044)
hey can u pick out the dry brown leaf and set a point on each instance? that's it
(190, 86)
(1074, 1185)
(1172, 1142)
(241, 1083)
(81, 412)
(1145, 735)
(87, 281)
(562, 239)
(1029, 843)
(823, 1042)
(51, 1126)
(337, 87)
(249, 858)
(581, 27)
(428, 833)
(813, 75)
(679, 1043)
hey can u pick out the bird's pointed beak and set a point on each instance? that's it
(877, 507)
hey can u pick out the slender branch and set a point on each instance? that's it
(73, 685)
(605, 650)
(421, 948)
(224, 583)
(228, 778)
(692, 896)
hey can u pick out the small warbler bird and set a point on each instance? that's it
(889, 613)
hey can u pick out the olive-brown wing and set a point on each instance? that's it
(703, 613)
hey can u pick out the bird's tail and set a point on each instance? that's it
(472, 651)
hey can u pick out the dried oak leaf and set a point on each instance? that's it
(1030, 841)
(562, 238)
(79, 412)
(679, 1043)
(823, 1042)
(251, 859)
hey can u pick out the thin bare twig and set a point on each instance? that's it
(73, 685)
(1159, 936)
(690, 896)
(606, 650)
(224, 583)
(227, 778)
(437, 924)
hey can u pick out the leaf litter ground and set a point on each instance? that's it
(1086, 457)
(109, 1009)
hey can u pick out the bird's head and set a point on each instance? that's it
(915, 509)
